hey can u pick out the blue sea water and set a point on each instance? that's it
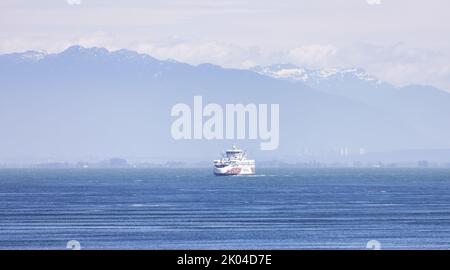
(192, 209)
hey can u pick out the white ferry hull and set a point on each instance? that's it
(235, 170)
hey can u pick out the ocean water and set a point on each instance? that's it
(192, 209)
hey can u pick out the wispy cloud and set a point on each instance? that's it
(312, 55)
(74, 2)
(197, 51)
(373, 2)
(399, 63)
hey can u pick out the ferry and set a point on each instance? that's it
(234, 162)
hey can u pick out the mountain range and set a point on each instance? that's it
(91, 102)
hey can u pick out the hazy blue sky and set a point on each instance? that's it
(401, 41)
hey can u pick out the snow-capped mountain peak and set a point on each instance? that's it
(294, 73)
(33, 55)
